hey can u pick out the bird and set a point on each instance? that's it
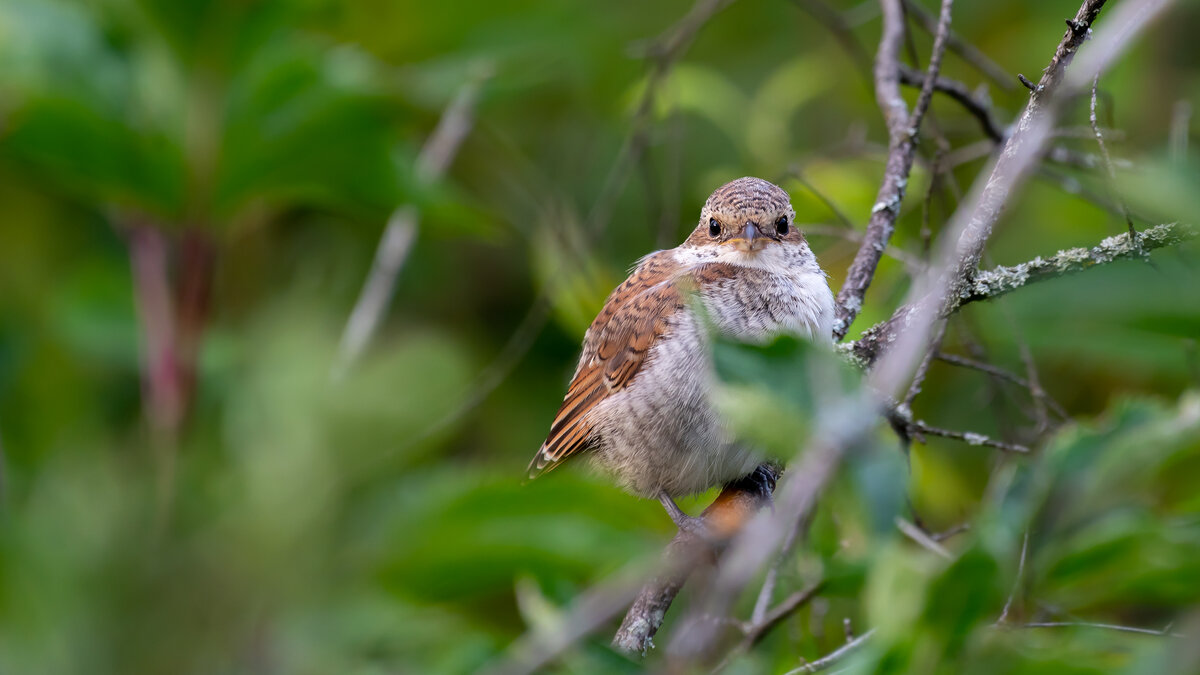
(641, 400)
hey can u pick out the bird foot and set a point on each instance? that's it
(691, 524)
(761, 481)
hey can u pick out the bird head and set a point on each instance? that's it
(748, 215)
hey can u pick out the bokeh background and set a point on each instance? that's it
(192, 192)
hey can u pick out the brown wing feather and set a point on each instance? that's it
(616, 344)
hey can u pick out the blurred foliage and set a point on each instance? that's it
(294, 522)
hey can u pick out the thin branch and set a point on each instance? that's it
(914, 387)
(1035, 383)
(1073, 186)
(1103, 626)
(918, 535)
(1034, 126)
(759, 629)
(1016, 582)
(1003, 374)
(919, 428)
(979, 107)
(798, 175)
(435, 158)
(965, 50)
(1108, 163)
(833, 657)
(902, 146)
(836, 23)
(946, 534)
(662, 53)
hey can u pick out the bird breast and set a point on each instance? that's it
(756, 296)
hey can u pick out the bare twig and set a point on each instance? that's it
(1108, 163)
(1071, 185)
(918, 535)
(919, 427)
(902, 145)
(662, 54)
(965, 50)
(1001, 280)
(978, 106)
(1016, 582)
(797, 174)
(433, 161)
(836, 23)
(1035, 383)
(757, 630)
(946, 534)
(1103, 626)
(1004, 374)
(914, 387)
(1032, 128)
(832, 658)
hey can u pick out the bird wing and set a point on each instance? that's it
(635, 315)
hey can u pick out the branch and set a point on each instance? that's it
(663, 53)
(902, 146)
(401, 231)
(979, 107)
(1104, 626)
(921, 537)
(919, 427)
(1002, 280)
(1108, 162)
(965, 50)
(833, 657)
(1004, 374)
(736, 504)
(835, 22)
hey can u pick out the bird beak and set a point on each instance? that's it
(750, 240)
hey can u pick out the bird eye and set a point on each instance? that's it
(714, 228)
(781, 225)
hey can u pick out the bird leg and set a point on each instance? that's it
(685, 523)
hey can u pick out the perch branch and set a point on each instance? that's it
(736, 504)
(902, 147)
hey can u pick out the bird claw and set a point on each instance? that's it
(761, 480)
(693, 525)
